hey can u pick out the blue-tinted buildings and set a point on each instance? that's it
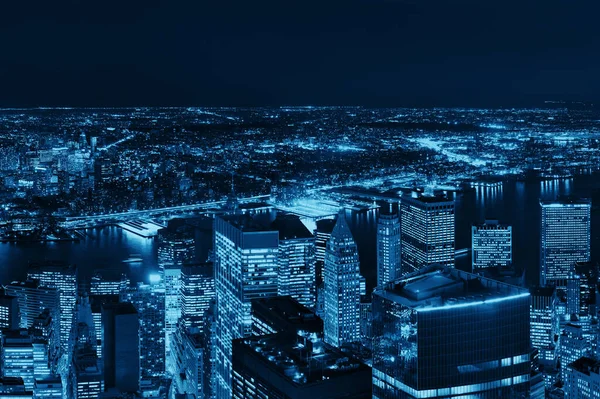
(491, 244)
(388, 247)
(427, 228)
(444, 333)
(245, 268)
(342, 286)
(564, 238)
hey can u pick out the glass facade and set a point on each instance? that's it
(491, 245)
(475, 346)
(388, 248)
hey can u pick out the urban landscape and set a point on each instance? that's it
(291, 252)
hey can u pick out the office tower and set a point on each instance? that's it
(572, 346)
(285, 315)
(542, 321)
(582, 379)
(341, 276)
(366, 324)
(121, 346)
(427, 228)
(564, 238)
(108, 282)
(13, 387)
(33, 299)
(87, 377)
(96, 304)
(189, 361)
(176, 245)
(245, 269)
(294, 367)
(491, 245)
(588, 274)
(45, 332)
(62, 277)
(388, 247)
(573, 287)
(322, 235)
(9, 312)
(149, 301)
(197, 291)
(17, 356)
(296, 260)
(444, 333)
(48, 388)
(208, 335)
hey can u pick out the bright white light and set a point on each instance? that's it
(154, 278)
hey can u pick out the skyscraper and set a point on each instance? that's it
(149, 301)
(444, 333)
(296, 260)
(341, 276)
(17, 356)
(388, 247)
(245, 268)
(121, 346)
(9, 312)
(572, 346)
(582, 379)
(62, 277)
(427, 225)
(542, 321)
(491, 245)
(197, 291)
(564, 238)
(87, 377)
(322, 234)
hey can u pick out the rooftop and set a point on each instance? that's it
(428, 199)
(301, 360)
(247, 222)
(564, 200)
(284, 312)
(436, 286)
(586, 365)
(290, 227)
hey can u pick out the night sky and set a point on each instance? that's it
(349, 52)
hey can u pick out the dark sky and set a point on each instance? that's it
(330, 52)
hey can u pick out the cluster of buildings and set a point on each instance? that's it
(275, 310)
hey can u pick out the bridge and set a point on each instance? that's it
(88, 221)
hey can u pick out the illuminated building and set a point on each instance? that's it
(491, 245)
(13, 387)
(87, 376)
(543, 323)
(572, 346)
(444, 333)
(388, 247)
(197, 291)
(582, 379)
(245, 269)
(588, 275)
(342, 277)
(149, 301)
(18, 357)
(427, 225)
(322, 234)
(108, 282)
(283, 314)
(189, 361)
(62, 277)
(121, 346)
(564, 238)
(45, 336)
(295, 367)
(33, 299)
(296, 260)
(96, 304)
(9, 312)
(48, 388)
(176, 245)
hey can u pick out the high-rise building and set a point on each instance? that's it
(48, 388)
(491, 244)
(564, 238)
(17, 356)
(427, 228)
(322, 234)
(388, 247)
(96, 304)
(9, 312)
(62, 277)
(572, 346)
(189, 361)
(13, 387)
(33, 299)
(296, 260)
(543, 323)
(149, 301)
(121, 346)
(245, 268)
(197, 291)
(341, 276)
(87, 376)
(108, 282)
(582, 379)
(276, 366)
(588, 274)
(444, 333)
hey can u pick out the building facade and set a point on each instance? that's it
(389, 248)
(491, 245)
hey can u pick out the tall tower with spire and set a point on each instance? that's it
(341, 277)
